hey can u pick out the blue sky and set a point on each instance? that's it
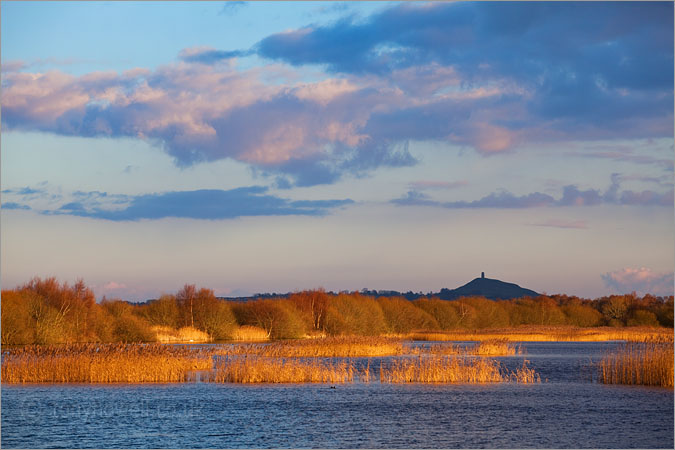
(277, 146)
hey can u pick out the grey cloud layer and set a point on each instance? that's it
(210, 204)
(571, 196)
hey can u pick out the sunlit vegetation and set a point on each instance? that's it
(491, 347)
(354, 315)
(451, 369)
(184, 334)
(523, 375)
(545, 334)
(279, 318)
(249, 333)
(255, 369)
(44, 311)
(496, 347)
(641, 363)
(102, 363)
(401, 316)
(330, 347)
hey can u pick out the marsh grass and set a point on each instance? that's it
(648, 363)
(329, 347)
(547, 334)
(257, 369)
(523, 375)
(250, 333)
(301, 361)
(185, 334)
(441, 369)
(103, 363)
(492, 347)
(450, 369)
(496, 347)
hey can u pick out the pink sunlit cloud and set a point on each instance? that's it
(643, 280)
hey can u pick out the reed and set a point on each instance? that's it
(329, 347)
(256, 369)
(496, 347)
(103, 363)
(185, 334)
(524, 375)
(547, 334)
(250, 333)
(640, 363)
(441, 369)
(492, 347)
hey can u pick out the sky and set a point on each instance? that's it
(254, 147)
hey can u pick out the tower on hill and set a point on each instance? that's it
(482, 274)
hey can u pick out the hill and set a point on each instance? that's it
(479, 287)
(488, 288)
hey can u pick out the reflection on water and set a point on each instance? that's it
(568, 411)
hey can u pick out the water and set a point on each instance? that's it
(568, 411)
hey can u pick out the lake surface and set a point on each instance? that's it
(567, 411)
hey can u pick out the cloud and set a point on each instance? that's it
(626, 156)
(23, 191)
(430, 184)
(208, 55)
(13, 66)
(562, 223)
(571, 196)
(230, 7)
(487, 76)
(13, 205)
(486, 39)
(209, 204)
(642, 281)
(582, 67)
(199, 112)
(112, 285)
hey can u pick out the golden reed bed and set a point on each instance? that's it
(641, 363)
(257, 369)
(356, 346)
(444, 369)
(547, 334)
(103, 363)
(329, 347)
(491, 347)
(285, 362)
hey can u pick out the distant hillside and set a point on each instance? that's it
(488, 288)
(479, 287)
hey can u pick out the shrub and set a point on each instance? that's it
(213, 316)
(664, 313)
(443, 311)
(162, 312)
(354, 314)
(16, 319)
(402, 316)
(582, 316)
(278, 318)
(489, 313)
(312, 306)
(130, 328)
(641, 317)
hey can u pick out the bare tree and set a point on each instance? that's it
(185, 298)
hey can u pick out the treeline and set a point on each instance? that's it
(47, 312)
